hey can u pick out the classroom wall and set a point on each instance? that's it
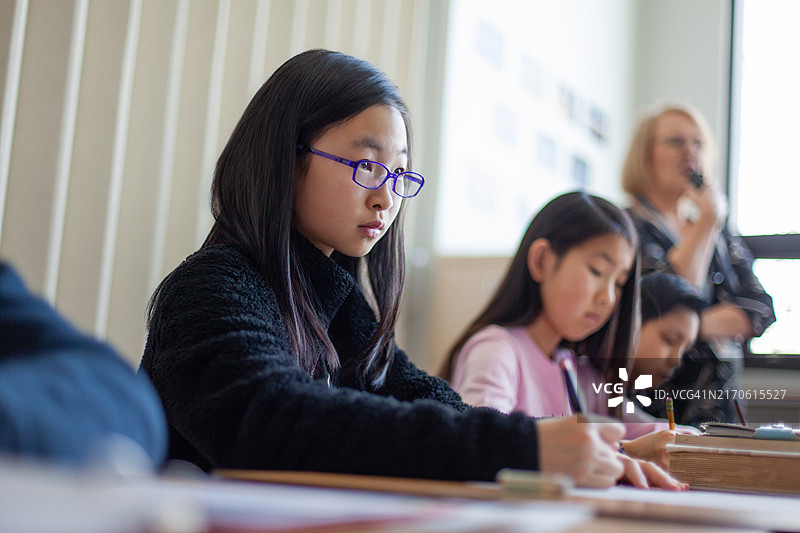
(683, 54)
(113, 115)
(114, 112)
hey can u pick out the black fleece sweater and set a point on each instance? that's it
(219, 355)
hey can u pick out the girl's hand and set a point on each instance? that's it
(644, 475)
(585, 451)
(651, 447)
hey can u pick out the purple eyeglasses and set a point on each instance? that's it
(372, 174)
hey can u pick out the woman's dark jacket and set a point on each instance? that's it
(709, 376)
(219, 355)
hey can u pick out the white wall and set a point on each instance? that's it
(532, 87)
(683, 53)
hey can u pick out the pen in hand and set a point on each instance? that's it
(573, 394)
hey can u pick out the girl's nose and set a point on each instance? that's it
(608, 294)
(675, 356)
(382, 199)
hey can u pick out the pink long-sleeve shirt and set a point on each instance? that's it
(505, 369)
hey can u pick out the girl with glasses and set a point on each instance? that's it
(273, 345)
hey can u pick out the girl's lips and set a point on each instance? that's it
(371, 231)
(376, 225)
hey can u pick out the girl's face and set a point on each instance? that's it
(580, 289)
(662, 342)
(330, 209)
(677, 148)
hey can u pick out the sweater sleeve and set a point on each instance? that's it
(219, 355)
(64, 395)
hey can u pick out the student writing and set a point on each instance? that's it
(572, 288)
(273, 345)
(670, 309)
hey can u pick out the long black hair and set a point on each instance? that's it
(566, 221)
(253, 191)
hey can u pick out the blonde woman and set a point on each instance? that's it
(680, 213)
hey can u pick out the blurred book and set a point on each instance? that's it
(745, 463)
(771, 432)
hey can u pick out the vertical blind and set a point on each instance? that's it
(113, 115)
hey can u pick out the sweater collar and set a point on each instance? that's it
(330, 282)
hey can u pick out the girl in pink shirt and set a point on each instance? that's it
(572, 290)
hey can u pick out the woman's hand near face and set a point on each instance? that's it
(651, 447)
(690, 258)
(712, 204)
(586, 451)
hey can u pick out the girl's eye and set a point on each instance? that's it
(595, 272)
(399, 170)
(365, 165)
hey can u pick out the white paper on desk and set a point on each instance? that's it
(254, 505)
(511, 517)
(262, 506)
(696, 498)
(39, 499)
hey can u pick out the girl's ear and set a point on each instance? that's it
(538, 254)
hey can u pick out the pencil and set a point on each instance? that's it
(573, 394)
(670, 413)
(739, 412)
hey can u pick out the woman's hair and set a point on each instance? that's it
(566, 221)
(637, 171)
(254, 185)
(662, 292)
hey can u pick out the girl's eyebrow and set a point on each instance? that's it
(611, 260)
(608, 258)
(369, 142)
